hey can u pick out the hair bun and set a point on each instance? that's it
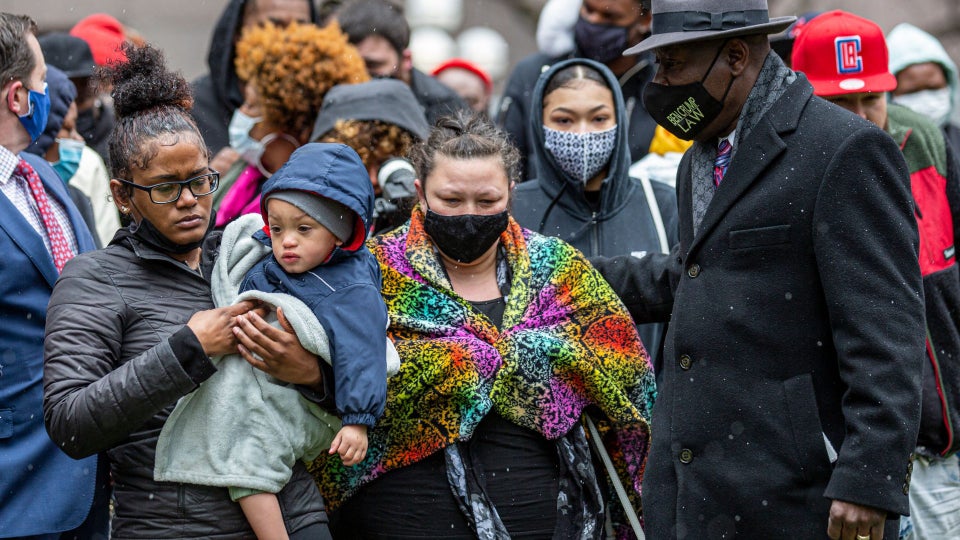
(143, 82)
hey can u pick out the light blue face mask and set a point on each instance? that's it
(580, 155)
(70, 152)
(241, 141)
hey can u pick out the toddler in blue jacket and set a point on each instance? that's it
(314, 208)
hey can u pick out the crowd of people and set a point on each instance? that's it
(691, 276)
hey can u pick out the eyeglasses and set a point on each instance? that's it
(169, 192)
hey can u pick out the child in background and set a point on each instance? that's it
(317, 207)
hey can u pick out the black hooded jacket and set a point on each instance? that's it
(118, 356)
(515, 106)
(555, 204)
(217, 94)
(436, 98)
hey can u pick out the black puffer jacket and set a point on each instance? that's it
(437, 99)
(118, 356)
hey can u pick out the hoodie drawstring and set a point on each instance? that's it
(556, 199)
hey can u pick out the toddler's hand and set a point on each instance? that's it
(351, 444)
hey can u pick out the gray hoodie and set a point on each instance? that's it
(910, 45)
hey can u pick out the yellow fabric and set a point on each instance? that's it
(664, 141)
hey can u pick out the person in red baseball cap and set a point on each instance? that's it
(468, 80)
(104, 34)
(845, 57)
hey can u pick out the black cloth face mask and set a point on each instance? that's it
(600, 42)
(685, 110)
(466, 237)
(151, 236)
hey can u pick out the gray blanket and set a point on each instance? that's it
(242, 428)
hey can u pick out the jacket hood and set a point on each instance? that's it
(552, 179)
(62, 93)
(910, 45)
(330, 170)
(387, 100)
(223, 73)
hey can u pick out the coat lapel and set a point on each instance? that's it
(761, 149)
(30, 243)
(27, 239)
(58, 190)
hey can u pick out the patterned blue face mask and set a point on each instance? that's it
(580, 155)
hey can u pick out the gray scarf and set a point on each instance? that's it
(772, 82)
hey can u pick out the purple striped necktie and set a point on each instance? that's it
(724, 151)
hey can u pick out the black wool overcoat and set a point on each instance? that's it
(792, 366)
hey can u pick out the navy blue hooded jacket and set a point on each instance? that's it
(555, 204)
(343, 292)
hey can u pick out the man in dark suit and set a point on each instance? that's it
(789, 390)
(43, 492)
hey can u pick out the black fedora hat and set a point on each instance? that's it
(70, 54)
(684, 21)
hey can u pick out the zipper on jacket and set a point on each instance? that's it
(181, 500)
(944, 403)
(595, 236)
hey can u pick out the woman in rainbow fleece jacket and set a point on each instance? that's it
(506, 338)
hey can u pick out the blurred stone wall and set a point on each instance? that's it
(939, 17)
(182, 27)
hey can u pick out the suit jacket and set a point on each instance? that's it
(792, 364)
(42, 490)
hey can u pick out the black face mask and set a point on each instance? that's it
(600, 42)
(85, 122)
(465, 238)
(149, 235)
(686, 109)
(94, 125)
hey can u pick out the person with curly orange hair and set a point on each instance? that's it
(287, 71)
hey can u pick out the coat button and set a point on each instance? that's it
(693, 270)
(685, 362)
(906, 488)
(686, 455)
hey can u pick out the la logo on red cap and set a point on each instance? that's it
(848, 54)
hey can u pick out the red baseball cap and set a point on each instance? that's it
(842, 53)
(104, 34)
(460, 63)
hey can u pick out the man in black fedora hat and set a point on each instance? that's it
(789, 387)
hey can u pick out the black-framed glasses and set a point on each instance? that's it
(169, 192)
